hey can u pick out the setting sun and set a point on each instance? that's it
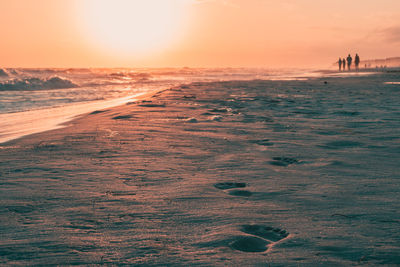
(131, 27)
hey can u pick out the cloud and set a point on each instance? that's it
(392, 34)
(388, 35)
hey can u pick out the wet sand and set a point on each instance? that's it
(292, 173)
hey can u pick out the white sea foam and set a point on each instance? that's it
(28, 84)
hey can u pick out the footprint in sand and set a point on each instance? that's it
(283, 161)
(189, 97)
(191, 120)
(229, 185)
(263, 238)
(216, 118)
(122, 117)
(250, 244)
(152, 105)
(233, 185)
(266, 232)
(263, 142)
(98, 112)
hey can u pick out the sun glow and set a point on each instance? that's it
(132, 27)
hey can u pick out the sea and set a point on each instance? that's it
(37, 99)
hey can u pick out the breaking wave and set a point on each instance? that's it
(36, 84)
(3, 73)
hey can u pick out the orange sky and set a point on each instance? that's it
(196, 33)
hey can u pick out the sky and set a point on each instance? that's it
(195, 33)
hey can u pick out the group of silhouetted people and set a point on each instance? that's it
(347, 61)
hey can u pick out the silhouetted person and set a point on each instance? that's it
(349, 60)
(344, 63)
(356, 61)
(340, 64)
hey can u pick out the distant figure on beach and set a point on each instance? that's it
(340, 64)
(356, 61)
(344, 63)
(349, 60)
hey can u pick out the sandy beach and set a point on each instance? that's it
(236, 173)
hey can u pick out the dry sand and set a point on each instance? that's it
(231, 173)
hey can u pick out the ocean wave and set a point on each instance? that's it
(12, 71)
(140, 76)
(3, 73)
(36, 84)
(41, 71)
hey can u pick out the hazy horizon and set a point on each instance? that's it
(195, 33)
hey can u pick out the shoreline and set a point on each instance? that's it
(50, 122)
